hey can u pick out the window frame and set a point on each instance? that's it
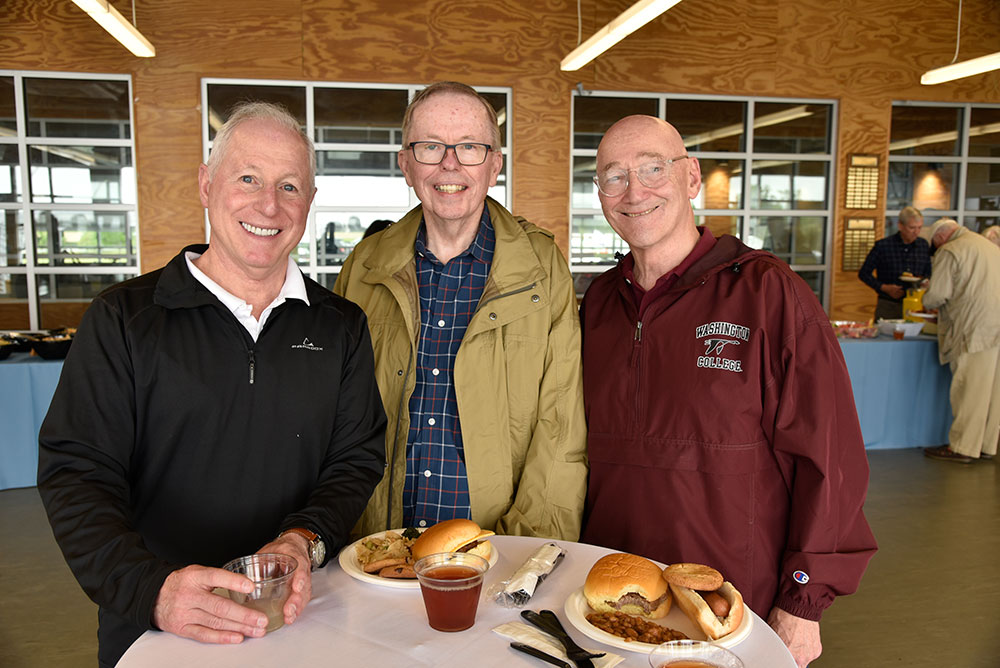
(31, 269)
(745, 213)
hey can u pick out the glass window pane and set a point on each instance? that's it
(980, 223)
(791, 127)
(789, 184)
(8, 114)
(925, 130)
(62, 298)
(338, 232)
(584, 189)
(719, 225)
(592, 241)
(721, 184)
(499, 102)
(11, 239)
(592, 115)
(984, 132)
(77, 108)
(82, 174)
(982, 188)
(925, 185)
(14, 313)
(223, 97)
(10, 173)
(795, 239)
(66, 238)
(709, 125)
(360, 178)
(359, 115)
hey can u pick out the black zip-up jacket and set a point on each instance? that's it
(174, 439)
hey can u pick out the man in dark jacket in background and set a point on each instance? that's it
(722, 427)
(220, 406)
(891, 259)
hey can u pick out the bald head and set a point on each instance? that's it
(663, 139)
(942, 230)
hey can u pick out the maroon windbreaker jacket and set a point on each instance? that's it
(722, 430)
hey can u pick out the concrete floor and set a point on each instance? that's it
(929, 598)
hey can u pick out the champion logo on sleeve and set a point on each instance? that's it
(801, 577)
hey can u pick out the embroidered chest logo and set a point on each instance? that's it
(717, 338)
(306, 344)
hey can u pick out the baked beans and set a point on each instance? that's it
(634, 628)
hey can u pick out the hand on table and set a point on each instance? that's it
(893, 291)
(800, 635)
(295, 545)
(187, 607)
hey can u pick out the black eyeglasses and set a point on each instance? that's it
(433, 152)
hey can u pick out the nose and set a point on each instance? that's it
(450, 160)
(634, 186)
(267, 201)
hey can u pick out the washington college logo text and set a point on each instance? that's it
(721, 340)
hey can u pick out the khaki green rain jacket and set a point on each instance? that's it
(517, 377)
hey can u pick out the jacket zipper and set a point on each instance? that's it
(636, 355)
(508, 294)
(252, 363)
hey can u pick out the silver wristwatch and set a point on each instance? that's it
(317, 548)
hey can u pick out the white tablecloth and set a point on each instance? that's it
(352, 623)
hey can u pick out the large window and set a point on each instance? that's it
(357, 129)
(67, 194)
(944, 159)
(767, 170)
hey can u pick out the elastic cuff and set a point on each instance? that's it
(798, 609)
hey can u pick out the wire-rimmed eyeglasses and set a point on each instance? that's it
(653, 174)
(433, 152)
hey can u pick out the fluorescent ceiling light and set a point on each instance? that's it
(966, 68)
(111, 20)
(621, 27)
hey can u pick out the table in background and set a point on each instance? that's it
(27, 384)
(900, 391)
(353, 623)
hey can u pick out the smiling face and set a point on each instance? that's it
(648, 218)
(452, 194)
(258, 198)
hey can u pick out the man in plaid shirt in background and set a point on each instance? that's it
(901, 253)
(474, 323)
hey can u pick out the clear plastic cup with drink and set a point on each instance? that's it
(271, 575)
(451, 583)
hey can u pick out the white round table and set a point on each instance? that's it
(354, 623)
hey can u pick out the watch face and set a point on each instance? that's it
(318, 553)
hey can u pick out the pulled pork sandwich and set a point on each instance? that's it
(458, 535)
(627, 583)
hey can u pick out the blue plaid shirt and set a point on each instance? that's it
(890, 257)
(436, 487)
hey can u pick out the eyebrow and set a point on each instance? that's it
(643, 154)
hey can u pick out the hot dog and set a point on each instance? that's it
(716, 608)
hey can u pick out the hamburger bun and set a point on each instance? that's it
(458, 535)
(627, 583)
(693, 576)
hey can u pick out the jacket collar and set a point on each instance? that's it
(514, 260)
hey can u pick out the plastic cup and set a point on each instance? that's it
(898, 333)
(692, 654)
(450, 583)
(271, 575)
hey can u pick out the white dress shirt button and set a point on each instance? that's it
(435, 371)
(422, 523)
(431, 422)
(440, 323)
(427, 473)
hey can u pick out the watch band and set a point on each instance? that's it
(317, 548)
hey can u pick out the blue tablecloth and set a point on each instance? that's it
(900, 390)
(26, 387)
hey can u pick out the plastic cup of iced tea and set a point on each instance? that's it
(692, 654)
(450, 583)
(271, 575)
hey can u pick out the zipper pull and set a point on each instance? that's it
(250, 352)
(638, 331)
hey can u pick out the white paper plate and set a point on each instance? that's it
(911, 279)
(348, 559)
(577, 610)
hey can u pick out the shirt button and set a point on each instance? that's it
(399, 372)
(422, 523)
(432, 422)
(493, 316)
(427, 473)
(440, 323)
(535, 298)
(435, 371)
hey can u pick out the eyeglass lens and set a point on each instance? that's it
(432, 152)
(650, 174)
